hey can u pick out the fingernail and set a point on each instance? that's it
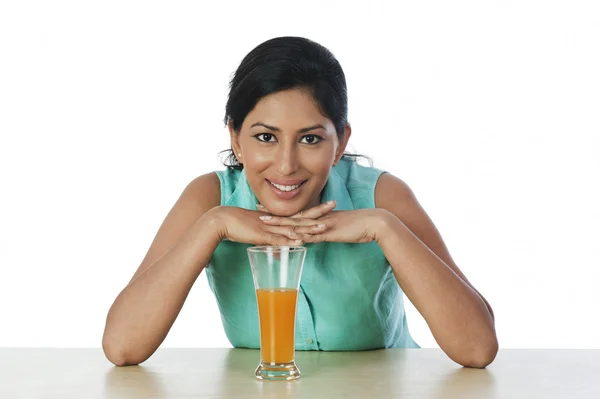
(259, 206)
(320, 226)
(330, 202)
(298, 242)
(265, 217)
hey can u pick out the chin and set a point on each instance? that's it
(284, 209)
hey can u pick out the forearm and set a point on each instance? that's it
(145, 310)
(458, 317)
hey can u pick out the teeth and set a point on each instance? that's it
(285, 188)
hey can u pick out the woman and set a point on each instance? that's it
(289, 182)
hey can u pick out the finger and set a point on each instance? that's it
(304, 233)
(294, 232)
(312, 213)
(278, 239)
(317, 211)
(286, 221)
(312, 238)
(314, 229)
(263, 210)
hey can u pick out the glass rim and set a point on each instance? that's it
(276, 248)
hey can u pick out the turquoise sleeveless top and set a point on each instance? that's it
(349, 298)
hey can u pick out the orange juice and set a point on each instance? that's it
(277, 311)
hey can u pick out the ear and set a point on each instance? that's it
(235, 141)
(343, 143)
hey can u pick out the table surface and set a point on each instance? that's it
(229, 373)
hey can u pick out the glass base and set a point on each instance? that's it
(277, 371)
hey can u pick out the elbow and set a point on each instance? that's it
(118, 354)
(117, 357)
(480, 356)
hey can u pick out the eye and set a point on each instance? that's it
(266, 137)
(311, 139)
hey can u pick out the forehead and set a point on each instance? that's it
(294, 108)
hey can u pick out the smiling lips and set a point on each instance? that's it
(286, 189)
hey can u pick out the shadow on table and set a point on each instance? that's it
(243, 362)
(466, 383)
(133, 382)
(174, 373)
(335, 374)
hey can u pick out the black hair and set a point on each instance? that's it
(286, 63)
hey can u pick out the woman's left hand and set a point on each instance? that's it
(357, 226)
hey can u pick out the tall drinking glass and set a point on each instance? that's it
(276, 271)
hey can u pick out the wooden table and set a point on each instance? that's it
(228, 373)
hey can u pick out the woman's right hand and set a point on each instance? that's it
(245, 226)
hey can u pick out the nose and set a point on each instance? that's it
(287, 160)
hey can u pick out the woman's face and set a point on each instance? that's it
(287, 148)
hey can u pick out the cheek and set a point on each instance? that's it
(256, 159)
(255, 165)
(319, 166)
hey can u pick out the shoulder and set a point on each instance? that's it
(204, 191)
(391, 191)
(199, 196)
(395, 196)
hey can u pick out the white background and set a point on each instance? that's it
(489, 110)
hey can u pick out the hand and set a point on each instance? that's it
(245, 226)
(312, 213)
(357, 226)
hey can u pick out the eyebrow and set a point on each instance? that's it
(276, 129)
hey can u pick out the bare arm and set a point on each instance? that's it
(461, 320)
(143, 313)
